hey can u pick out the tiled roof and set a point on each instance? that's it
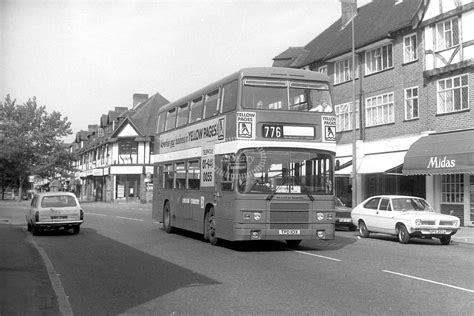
(146, 115)
(291, 57)
(375, 21)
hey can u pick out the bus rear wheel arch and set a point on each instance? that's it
(167, 224)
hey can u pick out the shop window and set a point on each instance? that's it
(452, 188)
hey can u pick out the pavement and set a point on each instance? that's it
(27, 286)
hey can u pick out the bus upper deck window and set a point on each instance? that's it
(211, 106)
(229, 96)
(183, 111)
(170, 119)
(195, 113)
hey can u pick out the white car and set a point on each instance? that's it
(404, 217)
(54, 210)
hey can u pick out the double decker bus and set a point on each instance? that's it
(249, 157)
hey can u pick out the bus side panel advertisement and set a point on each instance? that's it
(246, 125)
(193, 136)
(207, 166)
(329, 128)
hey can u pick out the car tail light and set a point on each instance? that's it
(37, 215)
(82, 215)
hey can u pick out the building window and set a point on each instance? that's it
(379, 110)
(379, 59)
(344, 116)
(452, 188)
(323, 69)
(411, 103)
(343, 70)
(409, 48)
(453, 94)
(447, 34)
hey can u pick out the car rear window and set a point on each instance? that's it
(58, 201)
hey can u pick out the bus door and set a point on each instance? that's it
(225, 184)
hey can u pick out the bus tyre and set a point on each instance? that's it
(167, 218)
(210, 232)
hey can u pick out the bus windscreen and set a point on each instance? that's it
(286, 96)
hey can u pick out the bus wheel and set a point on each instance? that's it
(210, 232)
(293, 243)
(167, 218)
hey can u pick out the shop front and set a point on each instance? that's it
(447, 161)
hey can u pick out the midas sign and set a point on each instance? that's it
(436, 163)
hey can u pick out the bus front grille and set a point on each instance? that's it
(289, 215)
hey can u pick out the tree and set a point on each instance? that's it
(31, 142)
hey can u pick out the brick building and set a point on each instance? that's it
(414, 94)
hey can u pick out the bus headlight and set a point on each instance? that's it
(248, 216)
(417, 222)
(320, 216)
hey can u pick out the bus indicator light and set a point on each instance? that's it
(321, 234)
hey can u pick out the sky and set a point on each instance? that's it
(84, 58)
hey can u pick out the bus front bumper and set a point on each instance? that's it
(322, 232)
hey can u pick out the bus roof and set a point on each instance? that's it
(269, 72)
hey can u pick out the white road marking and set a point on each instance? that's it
(312, 254)
(430, 281)
(132, 219)
(103, 215)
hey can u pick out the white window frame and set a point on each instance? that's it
(323, 69)
(380, 109)
(344, 116)
(450, 91)
(452, 189)
(445, 34)
(343, 70)
(412, 103)
(410, 48)
(379, 59)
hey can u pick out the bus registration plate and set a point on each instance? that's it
(289, 232)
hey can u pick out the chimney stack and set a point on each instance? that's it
(139, 98)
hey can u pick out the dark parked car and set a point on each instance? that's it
(343, 215)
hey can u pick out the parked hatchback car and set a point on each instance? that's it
(404, 217)
(343, 215)
(54, 210)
